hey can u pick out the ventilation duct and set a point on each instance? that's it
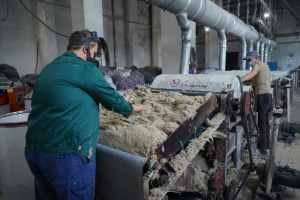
(186, 35)
(243, 54)
(262, 51)
(264, 28)
(249, 45)
(211, 15)
(222, 49)
(266, 53)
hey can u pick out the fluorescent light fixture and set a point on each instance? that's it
(266, 15)
(206, 29)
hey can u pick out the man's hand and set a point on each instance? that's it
(138, 107)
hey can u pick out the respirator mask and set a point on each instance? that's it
(251, 63)
(85, 42)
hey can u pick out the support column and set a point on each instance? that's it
(46, 38)
(119, 38)
(156, 36)
(87, 14)
(131, 37)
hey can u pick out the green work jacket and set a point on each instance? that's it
(65, 107)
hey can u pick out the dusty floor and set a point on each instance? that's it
(285, 154)
(289, 154)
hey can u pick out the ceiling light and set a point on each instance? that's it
(266, 15)
(206, 29)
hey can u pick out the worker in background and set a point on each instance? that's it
(261, 80)
(63, 126)
(192, 68)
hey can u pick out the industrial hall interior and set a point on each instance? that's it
(149, 99)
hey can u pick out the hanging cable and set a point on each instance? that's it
(254, 13)
(42, 21)
(260, 15)
(7, 11)
(37, 57)
(238, 9)
(247, 12)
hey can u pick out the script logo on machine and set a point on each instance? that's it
(195, 83)
(175, 82)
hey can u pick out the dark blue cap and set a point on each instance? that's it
(251, 53)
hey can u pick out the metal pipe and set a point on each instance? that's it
(222, 49)
(257, 46)
(243, 54)
(288, 86)
(249, 45)
(186, 35)
(211, 15)
(266, 53)
(264, 28)
(262, 47)
(266, 7)
(277, 112)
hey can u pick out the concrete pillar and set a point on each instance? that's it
(118, 33)
(156, 36)
(87, 14)
(131, 35)
(46, 38)
(211, 49)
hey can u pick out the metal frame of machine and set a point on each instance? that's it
(229, 147)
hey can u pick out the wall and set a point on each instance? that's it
(17, 39)
(18, 36)
(288, 52)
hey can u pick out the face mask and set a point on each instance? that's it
(93, 60)
(251, 63)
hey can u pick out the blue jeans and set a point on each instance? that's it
(62, 177)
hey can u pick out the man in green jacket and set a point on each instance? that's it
(63, 126)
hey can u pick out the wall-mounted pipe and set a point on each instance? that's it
(209, 14)
(222, 49)
(249, 45)
(266, 53)
(243, 53)
(257, 46)
(264, 28)
(262, 52)
(186, 35)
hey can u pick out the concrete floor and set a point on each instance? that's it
(286, 154)
(290, 154)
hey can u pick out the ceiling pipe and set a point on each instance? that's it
(266, 53)
(243, 54)
(211, 15)
(249, 45)
(292, 10)
(266, 7)
(262, 52)
(264, 28)
(186, 35)
(222, 49)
